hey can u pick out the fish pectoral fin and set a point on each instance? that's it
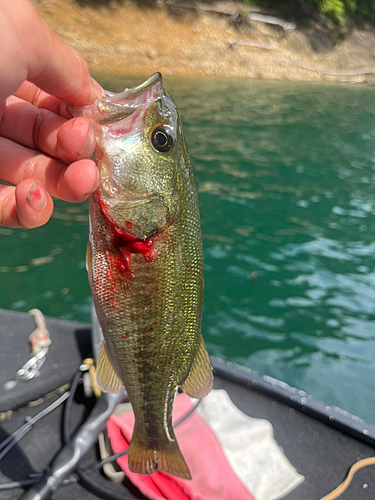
(199, 381)
(106, 375)
(89, 262)
(166, 458)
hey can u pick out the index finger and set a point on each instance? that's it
(40, 99)
(32, 51)
(61, 71)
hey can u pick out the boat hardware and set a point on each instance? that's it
(69, 456)
(40, 342)
(32, 367)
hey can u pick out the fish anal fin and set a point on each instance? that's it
(106, 375)
(144, 459)
(200, 379)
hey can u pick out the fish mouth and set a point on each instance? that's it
(116, 107)
(148, 84)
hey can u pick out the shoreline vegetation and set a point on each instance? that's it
(316, 40)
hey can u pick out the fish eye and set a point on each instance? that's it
(162, 139)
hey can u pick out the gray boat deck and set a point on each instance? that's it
(318, 451)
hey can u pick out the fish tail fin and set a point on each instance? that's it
(170, 460)
(166, 457)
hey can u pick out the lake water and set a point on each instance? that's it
(286, 180)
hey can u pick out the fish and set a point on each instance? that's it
(145, 267)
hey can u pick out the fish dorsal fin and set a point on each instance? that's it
(89, 262)
(106, 375)
(199, 381)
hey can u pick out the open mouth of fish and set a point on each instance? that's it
(114, 108)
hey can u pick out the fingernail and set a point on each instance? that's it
(36, 197)
(88, 145)
(98, 88)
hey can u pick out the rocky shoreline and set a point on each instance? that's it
(212, 40)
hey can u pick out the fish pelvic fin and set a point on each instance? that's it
(200, 379)
(147, 459)
(106, 376)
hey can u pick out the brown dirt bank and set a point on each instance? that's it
(123, 37)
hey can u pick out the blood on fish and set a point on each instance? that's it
(124, 244)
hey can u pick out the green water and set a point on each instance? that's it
(286, 180)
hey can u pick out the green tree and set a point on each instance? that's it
(341, 9)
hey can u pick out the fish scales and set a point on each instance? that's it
(145, 265)
(154, 312)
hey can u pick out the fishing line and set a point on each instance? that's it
(19, 484)
(30, 482)
(13, 439)
(123, 453)
(87, 481)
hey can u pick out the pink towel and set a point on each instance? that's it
(212, 476)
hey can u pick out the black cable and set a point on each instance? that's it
(102, 491)
(68, 406)
(13, 439)
(67, 459)
(19, 484)
(187, 414)
(88, 482)
(27, 482)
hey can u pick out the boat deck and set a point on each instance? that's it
(318, 451)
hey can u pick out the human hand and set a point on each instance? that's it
(39, 75)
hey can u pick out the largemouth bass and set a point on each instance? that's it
(145, 267)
